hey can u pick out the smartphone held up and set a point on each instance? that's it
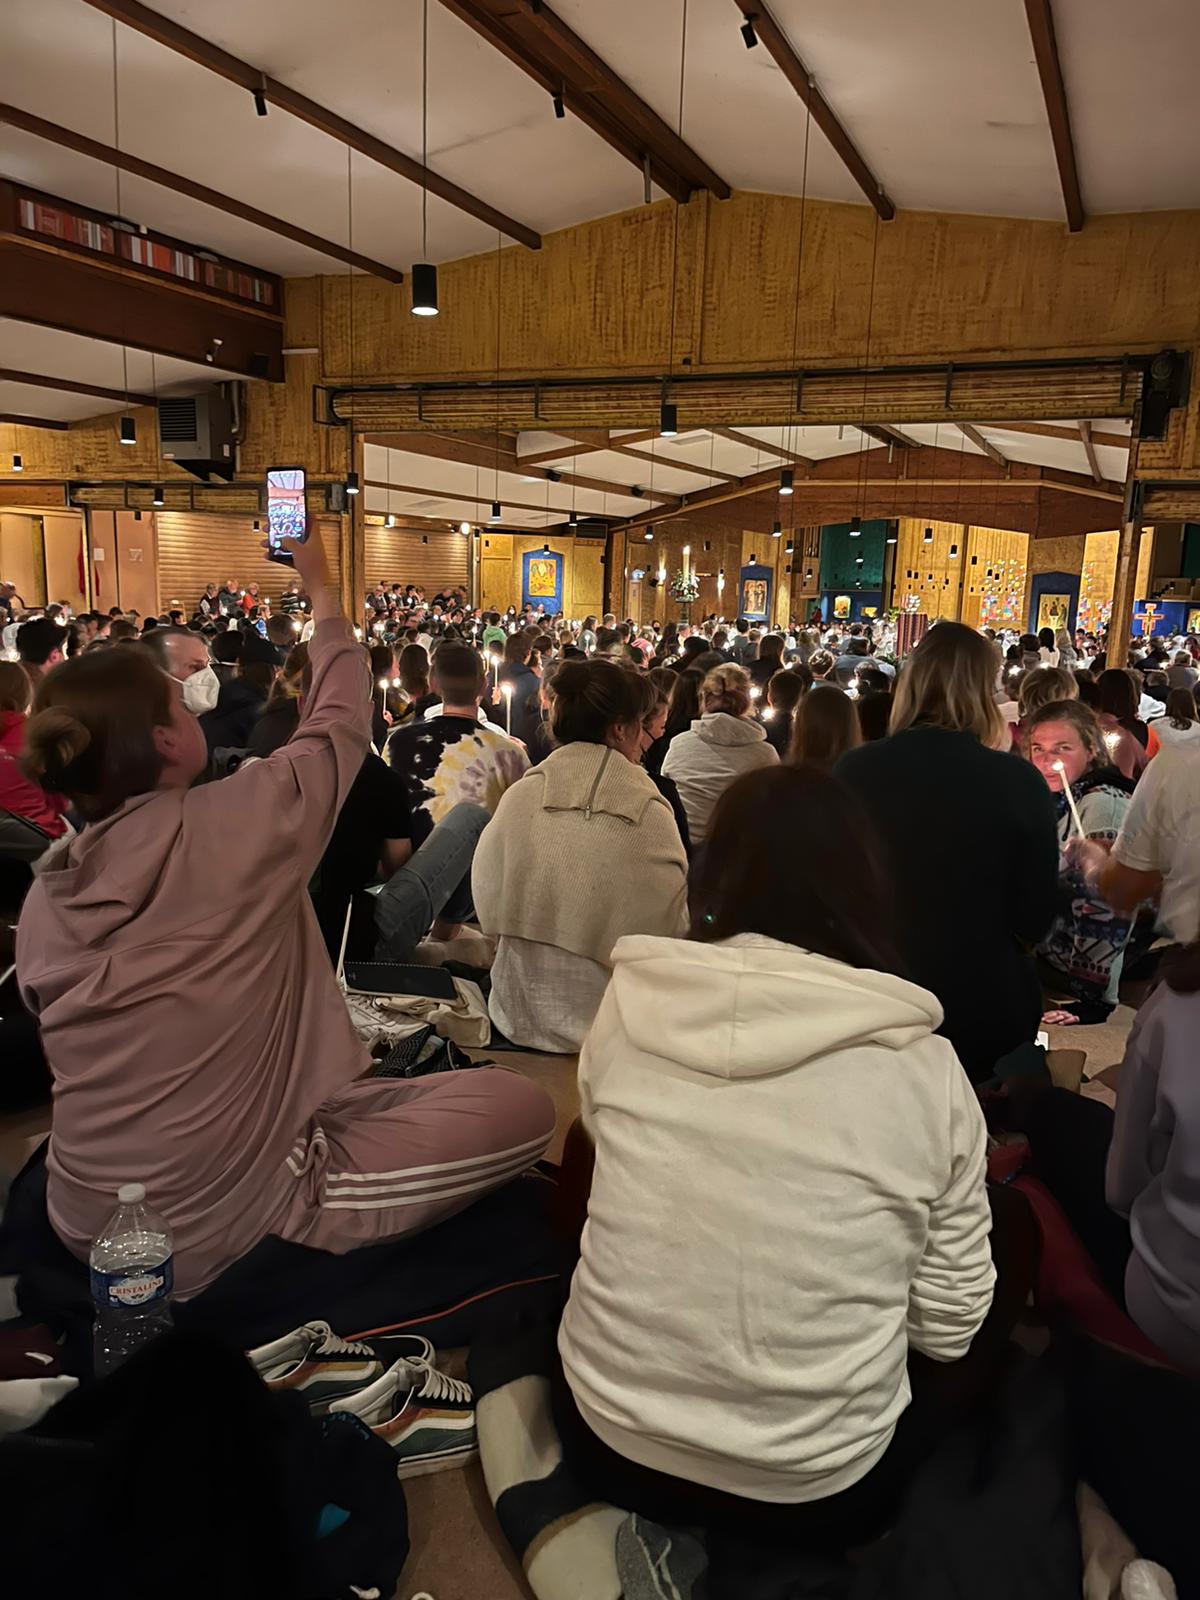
(287, 514)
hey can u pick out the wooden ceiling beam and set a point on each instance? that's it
(884, 433)
(619, 447)
(980, 443)
(1054, 93)
(475, 452)
(68, 139)
(20, 421)
(1085, 434)
(39, 380)
(533, 37)
(205, 54)
(735, 437)
(742, 487)
(802, 81)
(1052, 430)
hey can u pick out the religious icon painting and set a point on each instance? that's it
(754, 597)
(1054, 611)
(1193, 620)
(543, 578)
(841, 607)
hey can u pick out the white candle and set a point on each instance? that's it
(383, 689)
(1113, 741)
(1062, 773)
(506, 691)
(495, 672)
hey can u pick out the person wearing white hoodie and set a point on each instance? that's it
(721, 744)
(789, 1191)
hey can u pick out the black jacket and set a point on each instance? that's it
(971, 841)
(526, 712)
(231, 721)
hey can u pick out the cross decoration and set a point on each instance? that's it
(1148, 617)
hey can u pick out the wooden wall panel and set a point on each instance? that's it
(995, 578)
(433, 560)
(195, 549)
(929, 571)
(21, 558)
(1098, 579)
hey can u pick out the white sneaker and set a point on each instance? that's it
(426, 1417)
(314, 1362)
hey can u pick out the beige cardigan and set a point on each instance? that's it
(582, 850)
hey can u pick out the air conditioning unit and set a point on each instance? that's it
(198, 432)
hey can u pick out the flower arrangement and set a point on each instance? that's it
(685, 587)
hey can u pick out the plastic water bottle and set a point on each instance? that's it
(132, 1264)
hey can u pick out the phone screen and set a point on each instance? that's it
(287, 516)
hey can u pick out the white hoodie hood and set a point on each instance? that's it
(722, 1011)
(718, 727)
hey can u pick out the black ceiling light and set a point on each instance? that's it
(855, 527)
(776, 529)
(424, 538)
(424, 273)
(928, 539)
(787, 480)
(668, 420)
(495, 516)
(18, 464)
(424, 289)
(649, 534)
(788, 548)
(753, 559)
(260, 102)
(748, 33)
(157, 499)
(389, 521)
(545, 549)
(352, 483)
(953, 551)
(128, 431)
(572, 520)
(858, 561)
(560, 110)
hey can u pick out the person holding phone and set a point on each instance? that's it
(192, 1021)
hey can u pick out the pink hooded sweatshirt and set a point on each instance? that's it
(188, 1009)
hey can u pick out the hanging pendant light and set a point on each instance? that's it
(389, 521)
(891, 538)
(572, 521)
(424, 273)
(495, 516)
(157, 499)
(424, 289)
(128, 430)
(18, 464)
(776, 529)
(749, 36)
(787, 480)
(352, 483)
(649, 534)
(856, 527)
(668, 420)
(928, 539)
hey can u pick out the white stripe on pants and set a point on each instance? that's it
(391, 1156)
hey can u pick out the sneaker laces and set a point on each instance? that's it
(331, 1345)
(438, 1386)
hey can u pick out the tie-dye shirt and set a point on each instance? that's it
(447, 760)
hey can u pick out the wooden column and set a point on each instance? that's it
(1124, 592)
(964, 531)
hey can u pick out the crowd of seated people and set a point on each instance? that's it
(677, 839)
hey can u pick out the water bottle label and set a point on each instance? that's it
(125, 1290)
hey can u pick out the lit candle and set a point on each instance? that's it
(495, 672)
(383, 689)
(506, 690)
(1062, 773)
(755, 691)
(768, 713)
(1113, 741)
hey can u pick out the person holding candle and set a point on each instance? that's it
(519, 687)
(826, 726)
(1085, 947)
(582, 851)
(1116, 707)
(959, 820)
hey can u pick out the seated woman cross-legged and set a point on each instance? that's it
(581, 851)
(788, 1194)
(196, 1035)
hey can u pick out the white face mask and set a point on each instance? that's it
(201, 691)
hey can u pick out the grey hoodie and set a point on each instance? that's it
(705, 759)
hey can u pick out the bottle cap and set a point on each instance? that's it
(130, 1193)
